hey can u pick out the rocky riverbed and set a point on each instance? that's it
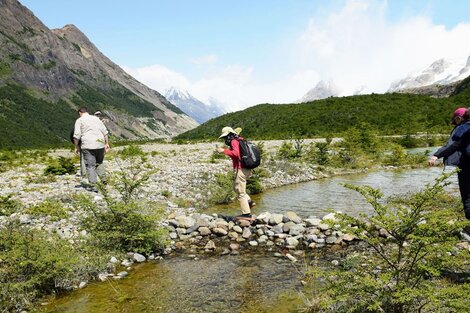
(181, 181)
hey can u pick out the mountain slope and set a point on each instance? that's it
(389, 114)
(62, 69)
(441, 72)
(190, 105)
(322, 90)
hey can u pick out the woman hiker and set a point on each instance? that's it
(456, 152)
(242, 174)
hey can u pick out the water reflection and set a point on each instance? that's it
(316, 197)
(245, 283)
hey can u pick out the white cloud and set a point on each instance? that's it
(356, 47)
(159, 77)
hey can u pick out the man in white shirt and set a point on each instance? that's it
(92, 136)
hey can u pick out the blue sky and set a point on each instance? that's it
(246, 52)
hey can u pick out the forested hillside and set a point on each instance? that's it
(389, 114)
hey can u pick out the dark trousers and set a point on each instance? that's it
(464, 186)
(94, 164)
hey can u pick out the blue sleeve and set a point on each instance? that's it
(460, 131)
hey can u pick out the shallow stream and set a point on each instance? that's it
(247, 282)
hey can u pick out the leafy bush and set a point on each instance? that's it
(61, 166)
(34, 264)
(410, 241)
(253, 185)
(222, 190)
(126, 223)
(286, 151)
(318, 153)
(126, 227)
(9, 206)
(52, 208)
(133, 151)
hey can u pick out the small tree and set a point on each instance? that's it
(409, 240)
(126, 223)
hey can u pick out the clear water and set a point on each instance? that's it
(244, 283)
(316, 197)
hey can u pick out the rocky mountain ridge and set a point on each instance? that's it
(192, 106)
(63, 65)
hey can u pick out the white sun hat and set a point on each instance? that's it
(227, 130)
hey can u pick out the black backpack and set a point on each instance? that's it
(249, 154)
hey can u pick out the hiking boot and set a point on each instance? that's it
(251, 203)
(244, 216)
(92, 189)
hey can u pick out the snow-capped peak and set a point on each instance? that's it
(175, 93)
(443, 71)
(190, 105)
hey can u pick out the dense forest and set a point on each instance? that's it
(389, 114)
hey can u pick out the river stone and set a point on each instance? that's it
(185, 221)
(263, 239)
(25, 219)
(291, 257)
(253, 243)
(225, 252)
(233, 235)
(312, 222)
(121, 274)
(238, 229)
(335, 262)
(244, 223)
(221, 223)
(320, 240)
(102, 276)
(286, 227)
(174, 223)
(281, 236)
(277, 229)
(210, 245)
(270, 233)
(324, 227)
(204, 231)
(331, 239)
(296, 229)
(139, 257)
(292, 216)
(276, 219)
(220, 231)
(202, 222)
(348, 237)
(270, 243)
(383, 233)
(311, 238)
(292, 242)
(184, 237)
(113, 260)
(181, 231)
(173, 235)
(260, 232)
(330, 216)
(264, 217)
(126, 263)
(82, 285)
(312, 245)
(246, 233)
(234, 246)
(192, 229)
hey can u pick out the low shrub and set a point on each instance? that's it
(52, 208)
(411, 248)
(34, 263)
(61, 166)
(125, 227)
(9, 206)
